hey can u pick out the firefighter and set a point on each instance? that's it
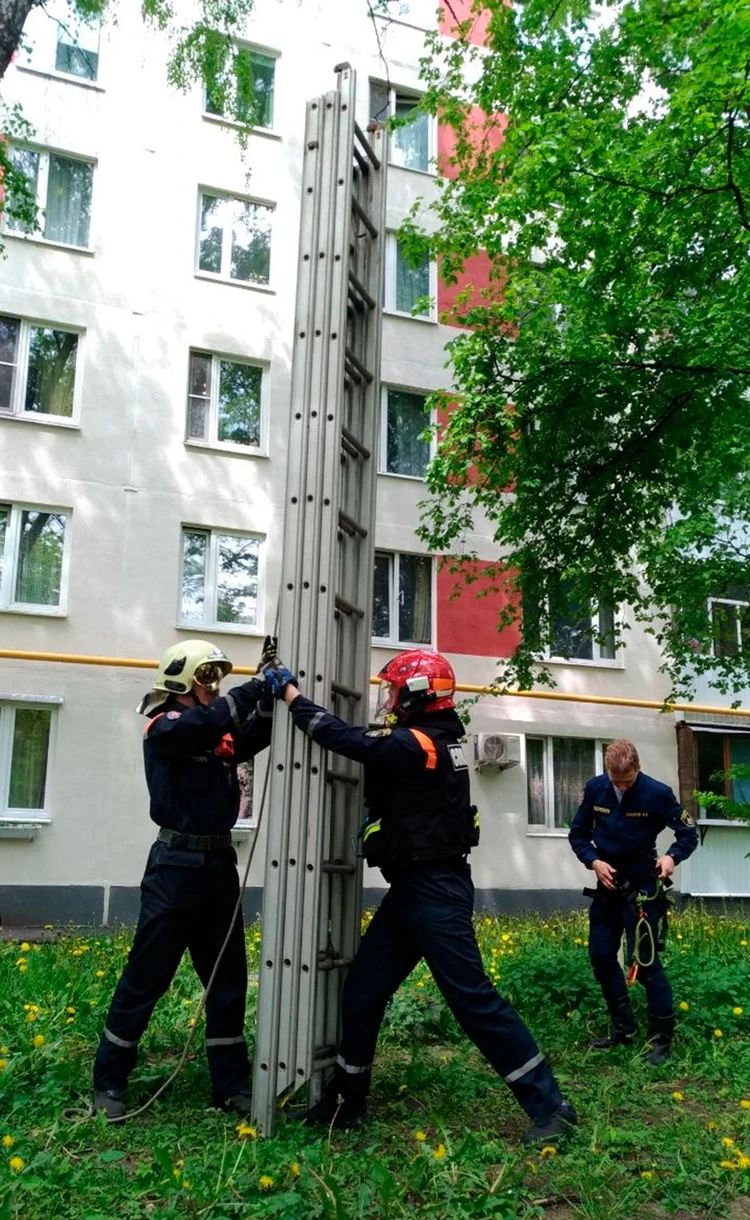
(614, 833)
(419, 830)
(193, 741)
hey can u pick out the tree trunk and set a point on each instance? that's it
(13, 14)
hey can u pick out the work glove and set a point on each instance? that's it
(268, 657)
(277, 678)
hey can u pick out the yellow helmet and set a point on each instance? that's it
(191, 661)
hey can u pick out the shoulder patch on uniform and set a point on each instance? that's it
(378, 732)
(687, 818)
(173, 715)
(458, 758)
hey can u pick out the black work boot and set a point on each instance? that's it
(659, 1041)
(110, 1103)
(239, 1103)
(332, 1108)
(624, 1026)
(551, 1129)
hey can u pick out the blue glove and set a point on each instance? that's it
(277, 678)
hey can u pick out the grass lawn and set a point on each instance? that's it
(444, 1136)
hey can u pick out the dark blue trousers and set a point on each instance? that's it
(187, 900)
(427, 913)
(608, 920)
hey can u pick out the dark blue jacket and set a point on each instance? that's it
(191, 756)
(623, 833)
(416, 786)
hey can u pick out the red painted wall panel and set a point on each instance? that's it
(455, 11)
(468, 624)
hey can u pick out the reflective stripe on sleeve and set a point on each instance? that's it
(312, 726)
(352, 1069)
(118, 1041)
(526, 1067)
(371, 830)
(428, 745)
(233, 709)
(225, 1041)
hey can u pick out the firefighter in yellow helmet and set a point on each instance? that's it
(193, 742)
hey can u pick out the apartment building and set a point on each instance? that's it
(145, 347)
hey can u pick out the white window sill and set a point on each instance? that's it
(378, 643)
(35, 240)
(248, 451)
(220, 279)
(44, 611)
(584, 663)
(221, 628)
(219, 120)
(55, 700)
(395, 474)
(410, 317)
(243, 830)
(411, 169)
(49, 421)
(21, 830)
(721, 822)
(66, 78)
(546, 832)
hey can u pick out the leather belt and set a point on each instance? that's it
(194, 842)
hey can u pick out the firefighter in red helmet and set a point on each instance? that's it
(419, 830)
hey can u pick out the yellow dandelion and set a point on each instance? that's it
(548, 1150)
(70, 1010)
(265, 1181)
(738, 1011)
(728, 1164)
(505, 936)
(745, 1104)
(77, 952)
(710, 1125)
(16, 1163)
(420, 1136)
(727, 1143)
(294, 1169)
(22, 969)
(678, 1096)
(647, 1174)
(70, 1020)
(4, 1050)
(25, 947)
(743, 1162)
(402, 1088)
(100, 975)
(683, 1004)
(8, 1141)
(186, 1185)
(743, 943)
(247, 1133)
(440, 1152)
(3, 1064)
(38, 1040)
(718, 1033)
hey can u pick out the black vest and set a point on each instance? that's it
(423, 813)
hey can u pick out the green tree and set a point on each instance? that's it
(600, 412)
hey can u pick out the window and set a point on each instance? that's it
(246, 780)
(730, 623)
(402, 598)
(406, 287)
(716, 753)
(244, 90)
(403, 448)
(225, 401)
(25, 737)
(557, 769)
(411, 143)
(582, 635)
(219, 579)
(235, 238)
(63, 192)
(37, 369)
(32, 558)
(57, 39)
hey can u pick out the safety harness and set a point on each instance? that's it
(645, 943)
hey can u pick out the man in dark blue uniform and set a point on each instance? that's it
(614, 833)
(193, 742)
(419, 830)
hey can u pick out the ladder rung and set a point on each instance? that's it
(348, 692)
(348, 607)
(354, 442)
(350, 526)
(334, 963)
(355, 305)
(360, 211)
(323, 1057)
(357, 364)
(364, 167)
(361, 290)
(335, 866)
(341, 777)
(367, 147)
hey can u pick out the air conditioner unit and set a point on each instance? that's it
(496, 750)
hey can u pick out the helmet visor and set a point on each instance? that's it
(386, 699)
(209, 675)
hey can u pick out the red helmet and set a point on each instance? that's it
(418, 680)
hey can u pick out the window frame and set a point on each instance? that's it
(390, 280)
(218, 277)
(20, 382)
(9, 704)
(213, 532)
(725, 733)
(395, 641)
(399, 93)
(615, 662)
(549, 828)
(42, 187)
(9, 565)
(46, 50)
(271, 130)
(213, 442)
(385, 390)
(737, 604)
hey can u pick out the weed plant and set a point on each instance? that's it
(443, 1140)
